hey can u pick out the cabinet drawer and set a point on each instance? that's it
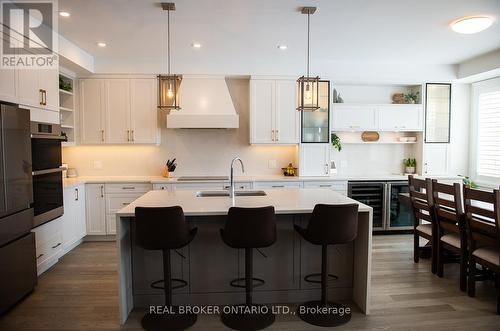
(128, 187)
(277, 184)
(49, 249)
(336, 186)
(166, 187)
(239, 186)
(198, 186)
(117, 202)
(44, 233)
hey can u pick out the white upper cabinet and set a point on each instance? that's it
(353, 118)
(39, 88)
(314, 160)
(274, 118)
(287, 118)
(91, 111)
(144, 113)
(8, 85)
(400, 118)
(118, 111)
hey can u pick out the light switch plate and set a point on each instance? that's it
(97, 164)
(272, 164)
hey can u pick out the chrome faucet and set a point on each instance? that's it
(231, 189)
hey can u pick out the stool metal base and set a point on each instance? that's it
(315, 313)
(248, 318)
(171, 322)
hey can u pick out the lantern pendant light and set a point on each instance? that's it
(168, 85)
(308, 87)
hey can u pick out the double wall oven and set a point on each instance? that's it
(47, 172)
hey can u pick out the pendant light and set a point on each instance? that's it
(168, 85)
(308, 87)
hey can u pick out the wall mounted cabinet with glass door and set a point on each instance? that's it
(315, 124)
(437, 112)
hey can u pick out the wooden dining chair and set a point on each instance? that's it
(423, 222)
(482, 214)
(450, 220)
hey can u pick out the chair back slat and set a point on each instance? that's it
(448, 211)
(421, 199)
(482, 214)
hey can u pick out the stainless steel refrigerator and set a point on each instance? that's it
(17, 243)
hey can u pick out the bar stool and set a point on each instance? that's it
(329, 225)
(249, 228)
(164, 228)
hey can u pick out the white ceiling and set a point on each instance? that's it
(240, 36)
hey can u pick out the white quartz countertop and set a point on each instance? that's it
(69, 182)
(285, 201)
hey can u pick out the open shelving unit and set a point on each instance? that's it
(67, 106)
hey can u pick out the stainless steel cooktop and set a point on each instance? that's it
(199, 178)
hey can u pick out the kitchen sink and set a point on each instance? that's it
(246, 193)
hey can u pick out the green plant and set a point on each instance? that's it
(410, 162)
(411, 97)
(469, 182)
(336, 142)
(64, 85)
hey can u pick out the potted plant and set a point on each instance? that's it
(469, 182)
(336, 142)
(410, 165)
(411, 97)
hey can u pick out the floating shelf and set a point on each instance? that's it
(66, 109)
(65, 92)
(67, 126)
(378, 142)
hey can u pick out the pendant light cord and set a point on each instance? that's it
(168, 41)
(308, 35)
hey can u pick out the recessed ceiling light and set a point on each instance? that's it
(101, 44)
(196, 45)
(471, 24)
(282, 47)
(64, 14)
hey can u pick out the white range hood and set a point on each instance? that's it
(205, 104)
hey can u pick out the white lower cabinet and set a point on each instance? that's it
(277, 184)
(95, 206)
(339, 186)
(73, 220)
(49, 244)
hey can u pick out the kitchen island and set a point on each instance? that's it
(208, 265)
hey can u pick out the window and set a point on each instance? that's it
(488, 134)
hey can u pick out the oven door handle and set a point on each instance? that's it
(47, 171)
(47, 136)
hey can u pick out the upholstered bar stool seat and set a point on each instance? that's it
(164, 229)
(329, 225)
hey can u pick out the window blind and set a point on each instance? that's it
(488, 158)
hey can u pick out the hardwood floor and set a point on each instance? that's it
(81, 293)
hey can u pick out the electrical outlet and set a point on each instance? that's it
(97, 165)
(272, 164)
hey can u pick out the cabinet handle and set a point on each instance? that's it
(40, 94)
(44, 97)
(58, 244)
(425, 167)
(272, 135)
(102, 191)
(102, 135)
(39, 256)
(125, 203)
(325, 186)
(326, 168)
(277, 135)
(77, 195)
(132, 134)
(128, 188)
(277, 186)
(128, 135)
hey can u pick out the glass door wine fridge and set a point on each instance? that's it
(388, 212)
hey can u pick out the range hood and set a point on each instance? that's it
(205, 104)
